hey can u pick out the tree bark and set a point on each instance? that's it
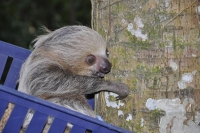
(154, 48)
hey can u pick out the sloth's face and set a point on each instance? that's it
(99, 65)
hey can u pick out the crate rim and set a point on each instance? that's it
(61, 109)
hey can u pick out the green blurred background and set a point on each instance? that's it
(21, 20)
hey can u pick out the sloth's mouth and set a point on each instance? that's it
(99, 74)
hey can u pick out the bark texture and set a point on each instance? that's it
(154, 48)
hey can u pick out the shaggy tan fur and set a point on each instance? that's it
(67, 64)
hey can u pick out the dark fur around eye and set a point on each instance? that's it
(91, 59)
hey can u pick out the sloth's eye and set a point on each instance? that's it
(107, 53)
(91, 59)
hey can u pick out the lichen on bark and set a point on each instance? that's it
(152, 43)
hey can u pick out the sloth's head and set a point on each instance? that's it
(78, 49)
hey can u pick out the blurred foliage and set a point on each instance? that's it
(21, 19)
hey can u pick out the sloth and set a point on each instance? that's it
(67, 64)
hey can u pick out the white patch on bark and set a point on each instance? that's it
(175, 117)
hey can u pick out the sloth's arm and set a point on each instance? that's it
(54, 81)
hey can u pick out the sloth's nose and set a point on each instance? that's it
(105, 66)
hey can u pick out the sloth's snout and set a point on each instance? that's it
(105, 66)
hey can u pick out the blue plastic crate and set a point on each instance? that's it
(42, 109)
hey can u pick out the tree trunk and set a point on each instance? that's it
(154, 48)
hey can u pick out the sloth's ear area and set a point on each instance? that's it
(107, 53)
